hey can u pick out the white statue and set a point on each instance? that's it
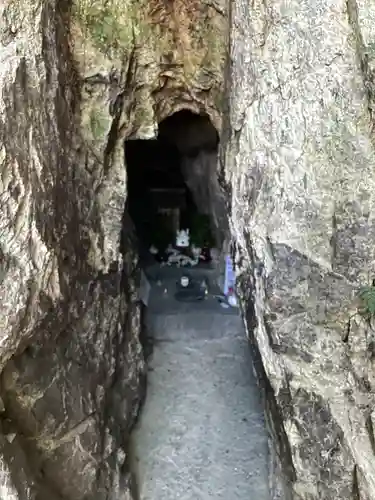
(183, 238)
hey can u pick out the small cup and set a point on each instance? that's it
(184, 281)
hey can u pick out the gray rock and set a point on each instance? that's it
(70, 357)
(300, 166)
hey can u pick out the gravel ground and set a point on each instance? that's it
(201, 434)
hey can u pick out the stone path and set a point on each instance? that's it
(201, 434)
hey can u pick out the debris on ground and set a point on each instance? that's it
(232, 301)
(227, 301)
(180, 259)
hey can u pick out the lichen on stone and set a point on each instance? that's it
(109, 24)
(99, 123)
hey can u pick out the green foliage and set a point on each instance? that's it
(200, 231)
(367, 297)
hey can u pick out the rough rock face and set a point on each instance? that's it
(70, 356)
(197, 140)
(200, 172)
(155, 58)
(300, 168)
(76, 80)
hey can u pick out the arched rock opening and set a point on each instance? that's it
(172, 180)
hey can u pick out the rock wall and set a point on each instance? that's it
(77, 79)
(197, 140)
(70, 356)
(155, 58)
(201, 175)
(300, 172)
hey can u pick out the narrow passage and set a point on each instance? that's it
(201, 434)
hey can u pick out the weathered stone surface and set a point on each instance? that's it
(197, 140)
(155, 57)
(300, 168)
(76, 80)
(70, 356)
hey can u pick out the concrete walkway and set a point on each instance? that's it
(201, 434)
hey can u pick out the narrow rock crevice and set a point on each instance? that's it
(362, 54)
(370, 430)
(355, 491)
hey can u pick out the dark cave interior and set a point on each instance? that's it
(160, 199)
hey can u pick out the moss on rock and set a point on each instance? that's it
(99, 123)
(109, 24)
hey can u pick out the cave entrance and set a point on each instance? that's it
(168, 187)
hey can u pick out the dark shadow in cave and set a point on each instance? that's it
(168, 181)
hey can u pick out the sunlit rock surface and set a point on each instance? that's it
(300, 169)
